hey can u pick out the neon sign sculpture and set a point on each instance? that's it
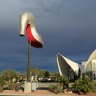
(34, 39)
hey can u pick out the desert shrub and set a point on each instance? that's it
(13, 86)
(93, 86)
(56, 88)
(2, 83)
(83, 85)
(1, 89)
(8, 75)
(63, 81)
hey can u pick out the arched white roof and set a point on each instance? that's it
(75, 66)
(92, 57)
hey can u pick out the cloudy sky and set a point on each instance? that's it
(66, 26)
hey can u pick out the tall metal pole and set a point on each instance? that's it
(29, 62)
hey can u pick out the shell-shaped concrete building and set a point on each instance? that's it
(67, 67)
(72, 69)
(90, 65)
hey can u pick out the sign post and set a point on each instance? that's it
(34, 40)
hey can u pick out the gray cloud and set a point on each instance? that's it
(67, 26)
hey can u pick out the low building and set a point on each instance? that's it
(74, 70)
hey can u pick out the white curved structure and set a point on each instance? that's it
(66, 66)
(90, 65)
(28, 25)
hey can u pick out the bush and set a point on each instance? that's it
(8, 75)
(1, 89)
(63, 81)
(2, 83)
(13, 86)
(93, 86)
(56, 88)
(83, 85)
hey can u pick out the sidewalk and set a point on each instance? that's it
(40, 93)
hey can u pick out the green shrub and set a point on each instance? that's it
(93, 86)
(83, 85)
(8, 75)
(12, 86)
(63, 81)
(56, 88)
(2, 83)
(51, 87)
(1, 89)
